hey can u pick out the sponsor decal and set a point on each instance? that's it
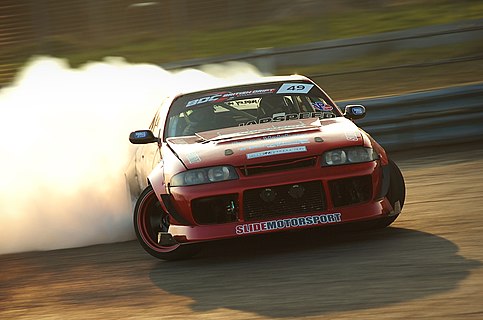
(269, 153)
(227, 96)
(287, 143)
(178, 140)
(193, 157)
(351, 135)
(243, 102)
(279, 136)
(357, 111)
(322, 106)
(276, 128)
(277, 144)
(295, 88)
(291, 116)
(275, 136)
(140, 134)
(288, 223)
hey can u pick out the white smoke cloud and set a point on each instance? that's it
(64, 147)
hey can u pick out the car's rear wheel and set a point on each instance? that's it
(396, 195)
(151, 223)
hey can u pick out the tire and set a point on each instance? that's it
(395, 194)
(149, 219)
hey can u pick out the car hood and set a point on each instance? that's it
(262, 143)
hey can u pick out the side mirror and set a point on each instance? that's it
(355, 111)
(142, 137)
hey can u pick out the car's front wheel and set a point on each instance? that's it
(151, 224)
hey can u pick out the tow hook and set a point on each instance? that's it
(166, 239)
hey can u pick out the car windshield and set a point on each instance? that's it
(244, 106)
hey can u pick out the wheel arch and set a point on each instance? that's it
(156, 180)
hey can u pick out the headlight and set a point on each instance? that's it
(219, 174)
(348, 155)
(204, 175)
(335, 157)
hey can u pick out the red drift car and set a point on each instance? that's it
(259, 157)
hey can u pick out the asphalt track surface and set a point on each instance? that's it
(427, 265)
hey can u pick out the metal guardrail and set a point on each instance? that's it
(268, 60)
(439, 117)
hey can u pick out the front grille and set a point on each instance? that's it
(283, 200)
(278, 166)
(217, 209)
(351, 190)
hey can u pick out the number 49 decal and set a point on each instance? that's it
(295, 88)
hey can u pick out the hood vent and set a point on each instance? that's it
(269, 167)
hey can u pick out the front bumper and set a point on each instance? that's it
(340, 203)
(363, 212)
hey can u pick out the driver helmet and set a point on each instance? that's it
(272, 104)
